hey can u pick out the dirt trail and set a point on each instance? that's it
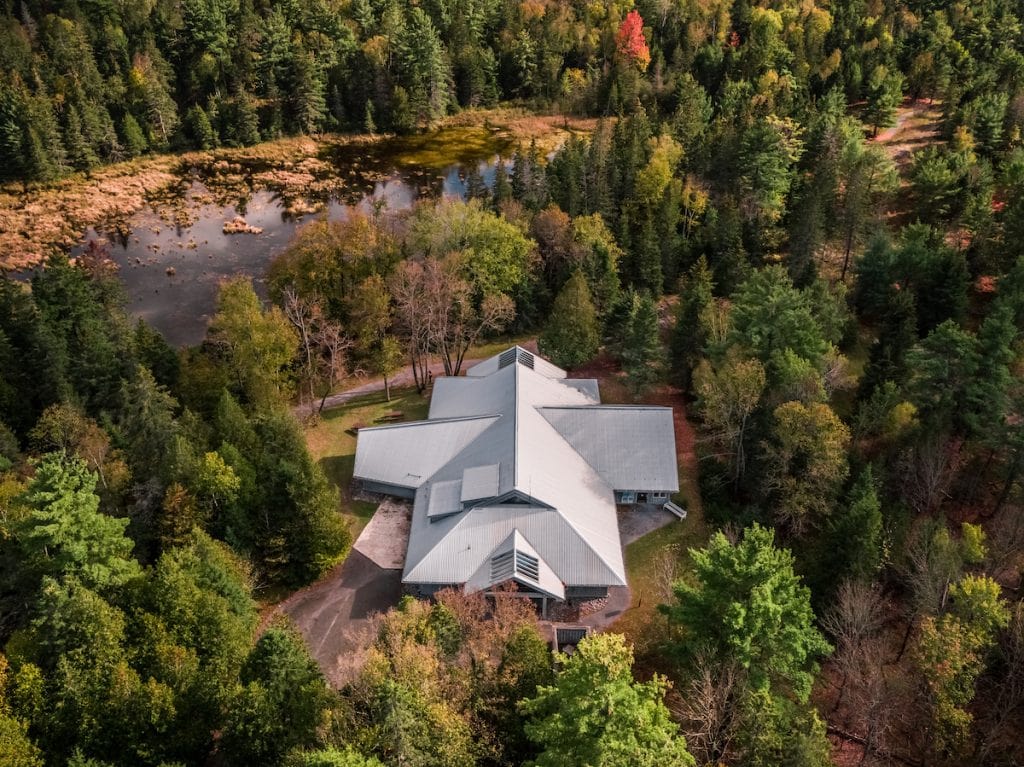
(917, 125)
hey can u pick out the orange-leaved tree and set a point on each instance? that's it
(630, 41)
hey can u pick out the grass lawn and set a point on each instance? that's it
(335, 449)
(653, 563)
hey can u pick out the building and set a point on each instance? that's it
(515, 476)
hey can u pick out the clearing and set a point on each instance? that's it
(336, 613)
(917, 126)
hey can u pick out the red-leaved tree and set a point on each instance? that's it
(631, 43)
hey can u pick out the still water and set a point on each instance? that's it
(171, 271)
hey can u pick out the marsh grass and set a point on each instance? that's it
(38, 219)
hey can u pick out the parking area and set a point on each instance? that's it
(337, 615)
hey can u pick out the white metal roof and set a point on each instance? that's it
(409, 454)
(480, 482)
(515, 559)
(444, 498)
(498, 442)
(631, 448)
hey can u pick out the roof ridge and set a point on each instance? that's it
(571, 523)
(603, 406)
(429, 421)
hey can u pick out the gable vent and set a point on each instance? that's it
(502, 566)
(525, 358)
(527, 566)
(506, 358)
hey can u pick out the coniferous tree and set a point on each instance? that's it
(66, 536)
(595, 713)
(572, 333)
(696, 294)
(640, 345)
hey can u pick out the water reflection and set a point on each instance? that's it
(171, 270)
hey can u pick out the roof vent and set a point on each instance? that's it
(515, 354)
(502, 566)
(527, 565)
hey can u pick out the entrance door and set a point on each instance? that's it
(641, 497)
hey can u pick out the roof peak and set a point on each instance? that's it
(520, 357)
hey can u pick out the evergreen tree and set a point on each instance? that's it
(855, 540)
(80, 152)
(571, 336)
(132, 136)
(283, 703)
(199, 129)
(747, 605)
(306, 99)
(689, 335)
(883, 97)
(640, 344)
(595, 713)
(897, 334)
(66, 535)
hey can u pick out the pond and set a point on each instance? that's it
(173, 254)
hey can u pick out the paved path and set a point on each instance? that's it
(336, 614)
(402, 378)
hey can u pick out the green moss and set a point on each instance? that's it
(439, 149)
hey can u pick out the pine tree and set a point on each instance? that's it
(853, 545)
(80, 153)
(132, 136)
(883, 98)
(503, 191)
(696, 294)
(747, 605)
(369, 124)
(597, 714)
(199, 129)
(571, 336)
(307, 101)
(245, 123)
(66, 535)
(476, 188)
(640, 348)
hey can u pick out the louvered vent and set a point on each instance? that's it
(502, 566)
(527, 566)
(507, 358)
(525, 358)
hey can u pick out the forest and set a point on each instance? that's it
(808, 219)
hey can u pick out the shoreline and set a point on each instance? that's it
(54, 217)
